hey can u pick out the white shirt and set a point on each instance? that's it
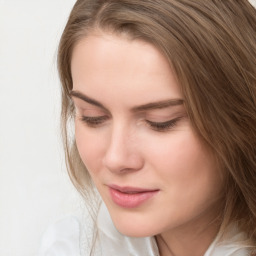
(64, 239)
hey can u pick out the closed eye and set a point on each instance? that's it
(93, 121)
(163, 126)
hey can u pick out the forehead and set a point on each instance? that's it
(111, 65)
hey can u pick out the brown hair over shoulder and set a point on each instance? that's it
(211, 46)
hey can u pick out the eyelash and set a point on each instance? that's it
(157, 126)
(163, 126)
(93, 121)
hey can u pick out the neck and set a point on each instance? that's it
(192, 239)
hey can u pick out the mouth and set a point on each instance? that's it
(130, 197)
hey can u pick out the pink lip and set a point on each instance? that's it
(130, 197)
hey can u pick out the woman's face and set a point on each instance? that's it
(133, 134)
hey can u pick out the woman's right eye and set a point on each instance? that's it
(93, 121)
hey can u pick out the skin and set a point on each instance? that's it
(122, 148)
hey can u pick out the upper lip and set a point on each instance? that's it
(128, 189)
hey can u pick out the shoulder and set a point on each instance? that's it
(233, 244)
(62, 238)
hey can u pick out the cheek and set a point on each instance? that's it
(187, 167)
(179, 151)
(89, 147)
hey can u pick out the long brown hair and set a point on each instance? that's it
(211, 46)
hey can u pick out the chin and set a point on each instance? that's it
(134, 231)
(134, 227)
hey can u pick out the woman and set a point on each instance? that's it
(163, 97)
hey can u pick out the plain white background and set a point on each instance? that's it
(34, 186)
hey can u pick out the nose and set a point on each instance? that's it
(122, 153)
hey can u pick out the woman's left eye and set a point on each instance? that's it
(163, 126)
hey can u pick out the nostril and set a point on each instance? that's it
(122, 154)
(122, 162)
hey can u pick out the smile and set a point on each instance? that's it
(129, 197)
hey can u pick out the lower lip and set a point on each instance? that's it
(127, 200)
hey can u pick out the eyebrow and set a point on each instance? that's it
(87, 99)
(148, 106)
(158, 105)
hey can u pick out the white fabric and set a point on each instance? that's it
(231, 247)
(62, 239)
